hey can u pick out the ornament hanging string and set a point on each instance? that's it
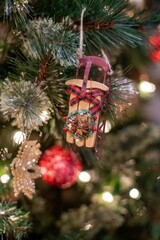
(107, 61)
(80, 50)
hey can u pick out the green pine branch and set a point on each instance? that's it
(107, 23)
(14, 222)
(15, 12)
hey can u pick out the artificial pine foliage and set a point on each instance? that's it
(15, 222)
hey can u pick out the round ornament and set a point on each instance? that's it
(81, 123)
(60, 167)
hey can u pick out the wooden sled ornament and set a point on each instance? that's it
(86, 99)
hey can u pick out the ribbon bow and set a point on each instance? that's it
(89, 97)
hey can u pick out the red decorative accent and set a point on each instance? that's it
(68, 91)
(95, 117)
(65, 117)
(155, 40)
(60, 167)
(94, 129)
(155, 56)
(65, 129)
(154, 47)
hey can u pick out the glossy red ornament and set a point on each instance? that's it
(154, 46)
(60, 167)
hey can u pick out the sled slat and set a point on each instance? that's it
(69, 137)
(90, 84)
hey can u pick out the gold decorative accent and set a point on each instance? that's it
(24, 168)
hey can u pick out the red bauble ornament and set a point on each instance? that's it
(154, 46)
(60, 167)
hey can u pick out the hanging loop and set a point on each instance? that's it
(80, 50)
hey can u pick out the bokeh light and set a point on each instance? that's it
(19, 137)
(5, 178)
(44, 116)
(108, 126)
(84, 176)
(134, 193)
(146, 87)
(107, 197)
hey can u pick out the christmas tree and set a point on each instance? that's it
(79, 146)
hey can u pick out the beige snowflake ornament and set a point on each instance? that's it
(24, 168)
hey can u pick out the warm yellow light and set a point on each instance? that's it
(5, 178)
(146, 87)
(107, 197)
(19, 137)
(84, 176)
(134, 193)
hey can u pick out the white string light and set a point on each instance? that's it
(134, 193)
(84, 176)
(146, 87)
(19, 137)
(107, 197)
(5, 178)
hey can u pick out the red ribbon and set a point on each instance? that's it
(89, 97)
